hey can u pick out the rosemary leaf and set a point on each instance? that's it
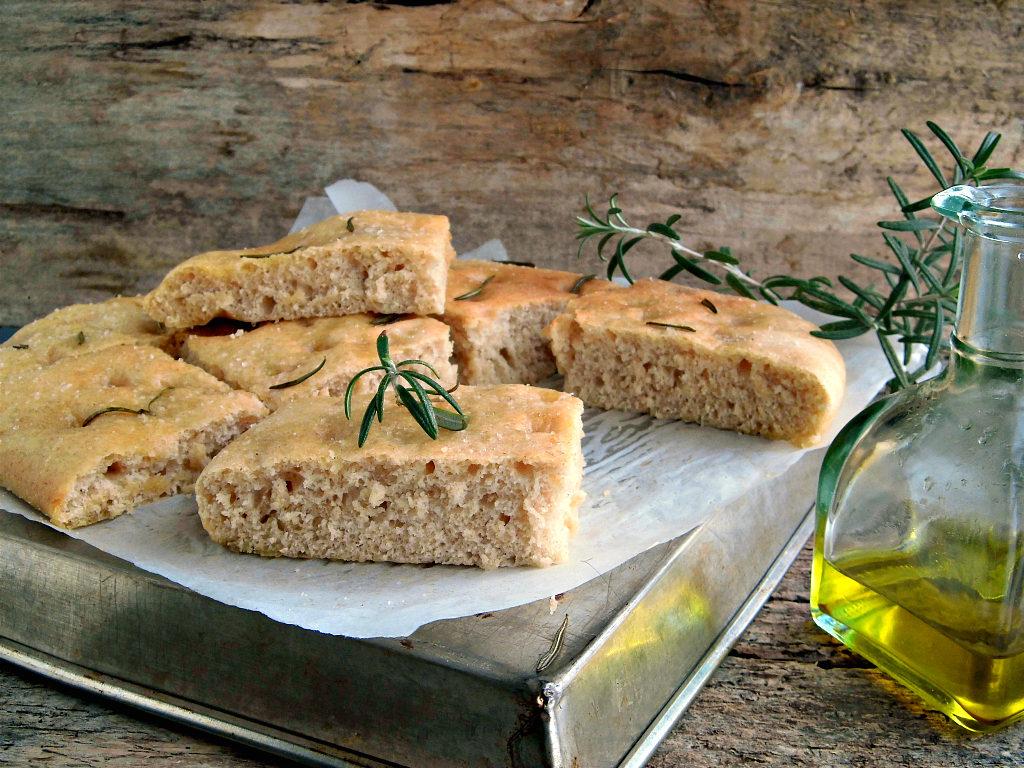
(80, 338)
(841, 329)
(112, 409)
(301, 379)
(388, 319)
(707, 303)
(124, 409)
(926, 157)
(691, 266)
(910, 225)
(268, 255)
(475, 292)
(670, 325)
(583, 279)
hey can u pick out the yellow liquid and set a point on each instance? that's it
(979, 690)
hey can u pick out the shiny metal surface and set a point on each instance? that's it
(639, 643)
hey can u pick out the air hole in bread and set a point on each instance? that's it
(267, 304)
(474, 469)
(505, 519)
(506, 355)
(292, 482)
(429, 469)
(744, 367)
(524, 469)
(116, 468)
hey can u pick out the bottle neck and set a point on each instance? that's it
(990, 315)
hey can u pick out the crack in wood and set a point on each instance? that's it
(58, 211)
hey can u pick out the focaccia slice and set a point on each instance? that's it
(82, 328)
(705, 357)
(266, 360)
(91, 436)
(368, 261)
(504, 491)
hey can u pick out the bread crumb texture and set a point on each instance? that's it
(386, 262)
(745, 365)
(503, 492)
(78, 473)
(266, 359)
(498, 333)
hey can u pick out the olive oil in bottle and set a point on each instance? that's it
(975, 684)
(919, 542)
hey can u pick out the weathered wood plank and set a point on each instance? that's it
(135, 135)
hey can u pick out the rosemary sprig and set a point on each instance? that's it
(414, 397)
(920, 286)
(124, 409)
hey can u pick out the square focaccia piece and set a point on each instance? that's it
(81, 328)
(705, 357)
(368, 261)
(267, 360)
(91, 436)
(498, 312)
(502, 492)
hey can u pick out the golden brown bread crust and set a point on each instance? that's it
(505, 491)
(747, 366)
(78, 473)
(388, 263)
(81, 328)
(498, 333)
(277, 353)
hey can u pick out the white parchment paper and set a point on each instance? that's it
(647, 481)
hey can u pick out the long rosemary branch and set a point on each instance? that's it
(918, 299)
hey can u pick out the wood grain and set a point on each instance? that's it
(137, 134)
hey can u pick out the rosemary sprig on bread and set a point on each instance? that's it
(922, 283)
(414, 397)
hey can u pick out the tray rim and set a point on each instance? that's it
(279, 742)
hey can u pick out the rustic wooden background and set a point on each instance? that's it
(134, 134)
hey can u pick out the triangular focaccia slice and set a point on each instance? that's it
(504, 491)
(705, 357)
(367, 261)
(266, 360)
(91, 436)
(497, 327)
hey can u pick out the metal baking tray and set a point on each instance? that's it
(639, 643)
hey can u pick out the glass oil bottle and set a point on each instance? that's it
(919, 543)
